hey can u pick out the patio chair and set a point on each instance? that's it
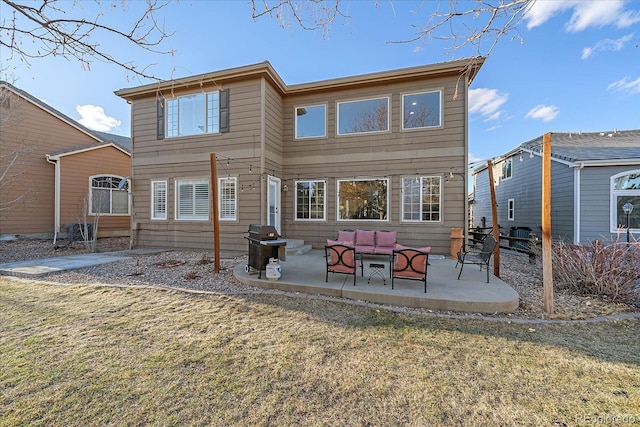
(342, 259)
(481, 257)
(409, 263)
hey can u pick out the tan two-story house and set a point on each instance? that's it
(381, 151)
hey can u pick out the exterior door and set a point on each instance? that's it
(273, 202)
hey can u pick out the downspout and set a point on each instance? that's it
(576, 203)
(264, 204)
(55, 160)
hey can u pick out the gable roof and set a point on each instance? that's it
(584, 148)
(122, 142)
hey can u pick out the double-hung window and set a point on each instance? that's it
(421, 199)
(511, 210)
(507, 169)
(625, 188)
(192, 200)
(363, 199)
(159, 200)
(310, 200)
(194, 114)
(363, 116)
(109, 195)
(422, 110)
(228, 199)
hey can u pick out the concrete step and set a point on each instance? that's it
(297, 247)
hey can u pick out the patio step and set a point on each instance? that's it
(297, 247)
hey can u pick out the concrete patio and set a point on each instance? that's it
(306, 273)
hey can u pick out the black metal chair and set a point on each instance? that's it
(481, 257)
(342, 259)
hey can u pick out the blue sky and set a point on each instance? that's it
(577, 67)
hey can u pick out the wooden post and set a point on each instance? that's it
(214, 212)
(547, 269)
(494, 221)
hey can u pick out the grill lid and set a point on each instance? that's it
(263, 232)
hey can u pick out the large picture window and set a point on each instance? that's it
(421, 199)
(159, 200)
(422, 110)
(364, 116)
(625, 188)
(192, 200)
(311, 121)
(193, 114)
(363, 199)
(228, 198)
(310, 200)
(109, 195)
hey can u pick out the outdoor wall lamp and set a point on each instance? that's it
(627, 208)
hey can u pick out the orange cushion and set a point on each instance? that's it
(348, 255)
(418, 262)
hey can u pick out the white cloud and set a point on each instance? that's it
(546, 113)
(632, 87)
(94, 118)
(607, 44)
(585, 14)
(487, 102)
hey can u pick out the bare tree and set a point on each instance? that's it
(41, 28)
(478, 24)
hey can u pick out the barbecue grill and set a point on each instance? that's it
(264, 243)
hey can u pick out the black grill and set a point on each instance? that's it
(264, 243)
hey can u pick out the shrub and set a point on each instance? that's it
(611, 271)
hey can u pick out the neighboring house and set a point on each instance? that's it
(52, 167)
(382, 151)
(592, 176)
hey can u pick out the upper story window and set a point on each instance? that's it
(363, 116)
(422, 110)
(421, 199)
(310, 200)
(363, 199)
(507, 167)
(194, 114)
(311, 121)
(625, 188)
(109, 195)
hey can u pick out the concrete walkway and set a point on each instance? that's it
(306, 273)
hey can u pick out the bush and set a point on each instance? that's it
(611, 271)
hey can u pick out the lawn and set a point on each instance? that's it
(84, 355)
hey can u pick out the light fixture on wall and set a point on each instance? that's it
(521, 156)
(627, 208)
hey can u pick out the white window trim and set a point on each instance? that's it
(91, 212)
(153, 199)
(505, 161)
(177, 199)
(613, 208)
(338, 180)
(417, 221)
(205, 106)
(235, 200)
(324, 202)
(338, 103)
(440, 112)
(511, 210)
(295, 121)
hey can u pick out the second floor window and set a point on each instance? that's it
(311, 121)
(421, 110)
(363, 116)
(507, 166)
(193, 114)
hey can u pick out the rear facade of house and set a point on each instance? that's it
(383, 151)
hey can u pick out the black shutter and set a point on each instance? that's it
(224, 110)
(160, 114)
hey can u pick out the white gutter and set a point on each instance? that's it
(55, 160)
(576, 203)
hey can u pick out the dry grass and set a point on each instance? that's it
(81, 355)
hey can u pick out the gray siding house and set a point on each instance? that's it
(592, 176)
(380, 151)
